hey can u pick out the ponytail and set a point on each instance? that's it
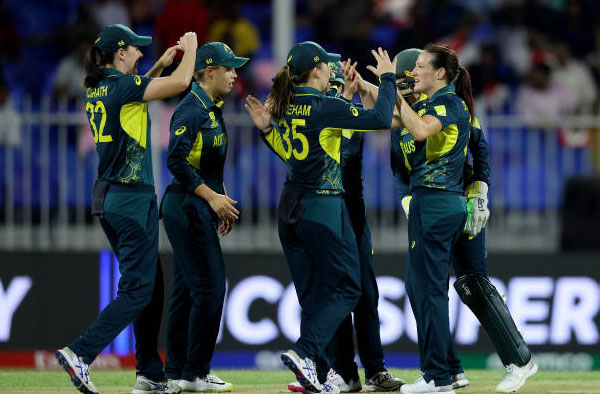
(464, 89)
(93, 60)
(444, 56)
(282, 92)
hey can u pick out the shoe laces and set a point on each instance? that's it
(309, 368)
(84, 372)
(387, 375)
(212, 378)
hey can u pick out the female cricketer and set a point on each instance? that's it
(192, 208)
(344, 371)
(314, 226)
(469, 256)
(440, 125)
(124, 200)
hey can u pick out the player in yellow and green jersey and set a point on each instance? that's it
(124, 200)
(195, 211)
(469, 256)
(314, 227)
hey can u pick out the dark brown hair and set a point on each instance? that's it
(94, 59)
(444, 56)
(282, 92)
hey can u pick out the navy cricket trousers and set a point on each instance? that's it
(198, 293)
(130, 223)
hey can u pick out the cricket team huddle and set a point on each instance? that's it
(313, 123)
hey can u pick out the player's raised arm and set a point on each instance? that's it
(180, 79)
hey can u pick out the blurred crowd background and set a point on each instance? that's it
(535, 66)
(542, 52)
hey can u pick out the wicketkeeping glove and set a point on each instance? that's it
(477, 205)
(406, 204)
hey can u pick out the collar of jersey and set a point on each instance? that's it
(300, 91)
(445, 90)
(112, 72)
(201, 95)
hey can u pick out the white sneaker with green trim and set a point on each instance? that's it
(420, 386)
(209, 383)
(459, 381)
(515, 377)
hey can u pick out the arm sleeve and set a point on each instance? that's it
(181, 142)
(340, 114)
(444, 109)
(275, 142)
(401, 174)
(132, 88)
(479, 151)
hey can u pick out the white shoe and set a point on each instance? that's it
(383, 381)
(516, 376)
(174, 382)
(422, 387)
(143, 385)
(210, 383)
(77, 369)
(352, 386)
(459, 381)
(328, 388)
(304, 369)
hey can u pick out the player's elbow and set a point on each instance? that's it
(173, 164)
(382, 121)
(181, 84)
(419, 135)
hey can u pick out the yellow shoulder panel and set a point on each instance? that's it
(331, 140)
(440, 110)
(134, 120)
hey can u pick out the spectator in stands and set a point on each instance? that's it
(108, 12)
(143, 21)
(420, 33)
(462, 40)
(241, 35)
(10, 119)
(234, 30)
(512, 38)
(70, 73)
(178, 17)
(489, 76)
(542, 100)
(577, 76)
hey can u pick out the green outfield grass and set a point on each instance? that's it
(247, 381)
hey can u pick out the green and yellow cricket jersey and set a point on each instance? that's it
(352, 149)
(438, 161)
(120, 123)
(309, 138)
(403, 148)
(197, 142)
